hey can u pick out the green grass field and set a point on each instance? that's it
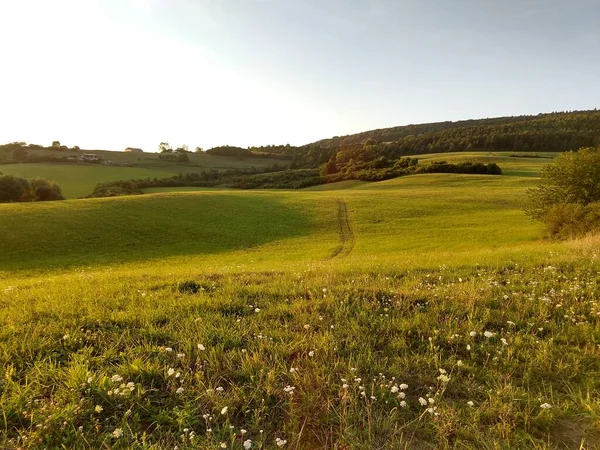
(79, 180)
(423, 312)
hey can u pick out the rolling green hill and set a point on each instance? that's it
(420, 312)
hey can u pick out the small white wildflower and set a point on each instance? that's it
(223, 445)
(181, 355)
(473, 333)
(171, 371)
(468, 347)
(403, 404)
(98, 409)
(444, 378)
(422, 401)
(545, 406)
(242, 431)
(179, 390)
(404, 386)
(89, 380)
(201, 347)
(116, 378)
(280, 442)
(306, 327)
(470, 403)
(224, 410)
(168, 349)
(394, 389)
(257, 310)
(401, 395)
(117, 433)
(459, 363)
(220, 389)
(311, 353)
(431, 400)
(247, 444)
(504, 341)
(345, 386)
(488, 334)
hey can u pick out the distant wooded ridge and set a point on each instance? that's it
(552, 132)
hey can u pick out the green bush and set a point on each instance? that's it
(572, 220)
(574, 177)
(16, 189)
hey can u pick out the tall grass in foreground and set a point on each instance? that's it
(504, 356)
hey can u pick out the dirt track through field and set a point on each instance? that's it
(345, 231)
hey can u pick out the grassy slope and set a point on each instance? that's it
(78, 180)
(427, 260)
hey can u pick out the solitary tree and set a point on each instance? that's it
(164, 147)
(55, 144)
(573, 178)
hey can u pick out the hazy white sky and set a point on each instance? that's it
(117, 73)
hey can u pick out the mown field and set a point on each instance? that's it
(78, 179)
(423, 312)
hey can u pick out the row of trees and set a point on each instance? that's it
(16, 189)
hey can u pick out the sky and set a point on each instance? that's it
(109, 74)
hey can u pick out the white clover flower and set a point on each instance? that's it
(431, 400)
(220, 389)
(489, 334)
(247, 444)
(224, 410)
(404, 386)
(422, 401)
(470, 403)
(117, 433)
(402, 404)
(401, 395)
(179, 390)
(98, 409)
(394, 389)
(545, 406)
(311, 353)
(201, 347)
(171, 371)
(473, 333)
(130, 385)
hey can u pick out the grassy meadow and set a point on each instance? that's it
(79, 180)
(423, 312)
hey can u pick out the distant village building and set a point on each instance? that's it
(133, 150)
(89, 157)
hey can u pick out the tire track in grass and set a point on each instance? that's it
(347, 239)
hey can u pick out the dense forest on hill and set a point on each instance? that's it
(551, 132)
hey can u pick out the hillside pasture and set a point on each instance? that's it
(422, 312)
